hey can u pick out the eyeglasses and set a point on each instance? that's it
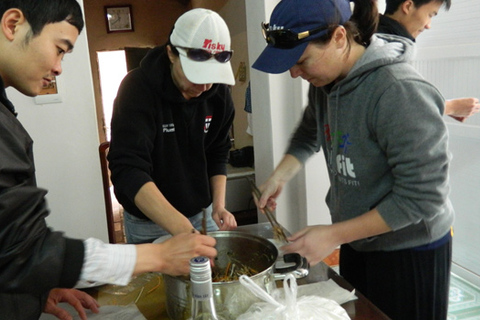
(204, 55)
(286, 38)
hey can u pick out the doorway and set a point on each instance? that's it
(112, 68)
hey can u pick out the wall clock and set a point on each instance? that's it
(119, 18)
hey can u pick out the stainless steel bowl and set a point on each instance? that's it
(231, 298)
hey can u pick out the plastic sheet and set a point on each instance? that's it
(291, 308)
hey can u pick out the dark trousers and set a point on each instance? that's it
(410, 284)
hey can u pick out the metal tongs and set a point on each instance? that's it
(278, 229)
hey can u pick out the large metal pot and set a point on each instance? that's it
(231, 298)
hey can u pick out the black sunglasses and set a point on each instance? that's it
(286, 38)
(204, 55)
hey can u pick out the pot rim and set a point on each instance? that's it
(238, 234)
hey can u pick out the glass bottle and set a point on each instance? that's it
(203, 306)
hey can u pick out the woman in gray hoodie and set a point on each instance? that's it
(380, 126)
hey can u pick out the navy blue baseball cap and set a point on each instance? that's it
(293, 24)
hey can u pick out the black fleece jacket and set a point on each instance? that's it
(158, 135)
(391, 26)
(33, 259)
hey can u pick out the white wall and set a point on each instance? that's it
(381, 6)
(66, 149)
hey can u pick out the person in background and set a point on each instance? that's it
(388, 171)
(38, 265)
(170, 132)
(409, 18)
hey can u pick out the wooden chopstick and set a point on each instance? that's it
(270, 216)
(204, 222)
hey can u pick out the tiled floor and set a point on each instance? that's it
(464, 297)
(464, 300)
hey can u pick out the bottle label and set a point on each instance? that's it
(202, 291)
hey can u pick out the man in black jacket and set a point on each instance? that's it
(170, 132)
(409, 18)
(36, 263)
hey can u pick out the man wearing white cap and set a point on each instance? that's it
(170, 132)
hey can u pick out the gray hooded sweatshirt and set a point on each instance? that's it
(386, 146)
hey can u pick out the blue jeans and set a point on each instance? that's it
(146, 231)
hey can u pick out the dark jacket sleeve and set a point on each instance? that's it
(33, 259)
(217, 152)
(133, 128)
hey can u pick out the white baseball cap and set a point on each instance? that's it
(203, 29)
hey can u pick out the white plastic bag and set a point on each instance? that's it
(305, 308)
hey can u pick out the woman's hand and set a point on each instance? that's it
(314, 243)
(224, 219)
(271, 189)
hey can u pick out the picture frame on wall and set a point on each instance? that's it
(119, 18)
(50, 93)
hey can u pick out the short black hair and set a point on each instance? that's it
(169, 43)
(393, 5)
(41, 12)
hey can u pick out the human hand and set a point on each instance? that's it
(78, 299)
(224, 219)
(314, 243)
(270, 191)
(173, 255)
(461, 109)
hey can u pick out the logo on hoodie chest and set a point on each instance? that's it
(343, 164)
(168, 127)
